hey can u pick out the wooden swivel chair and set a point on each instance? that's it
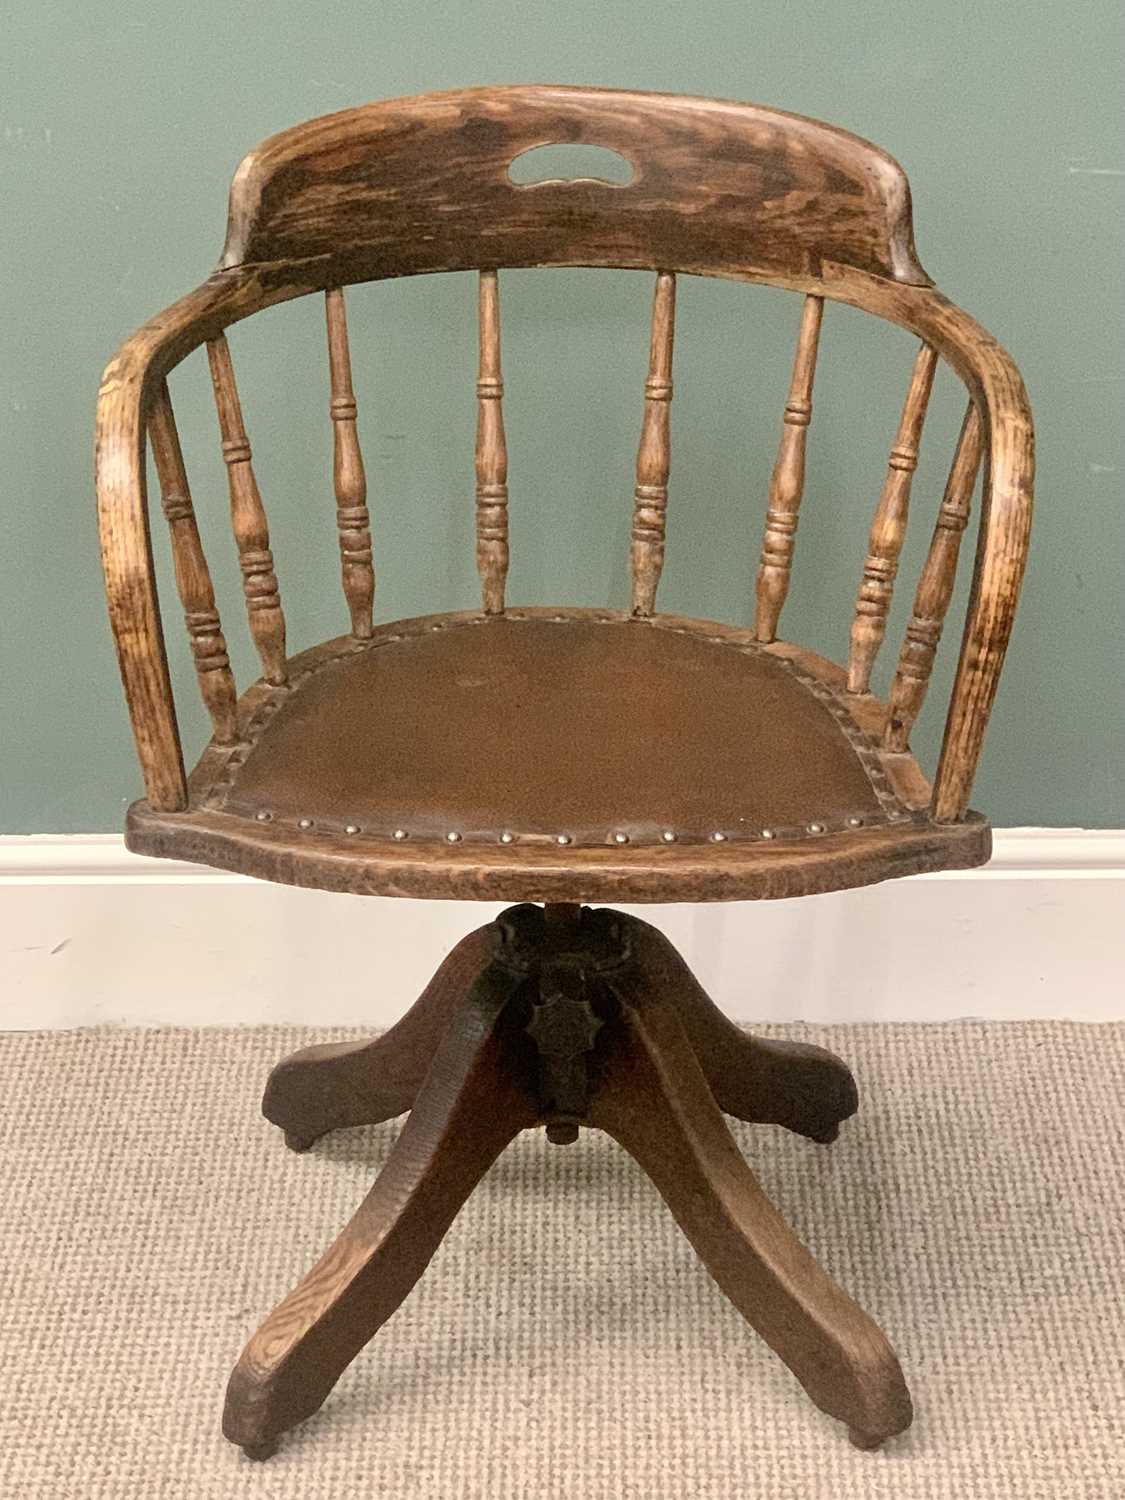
(555, 755)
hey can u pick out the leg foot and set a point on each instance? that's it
(653, 1099)
(869, 1442)
(473, 1102)
(259, 1452)
(340, 1084)
(807, 1089)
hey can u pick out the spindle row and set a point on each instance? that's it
(886, 537)
(650, 502)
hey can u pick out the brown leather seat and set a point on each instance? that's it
(558, 728)
(543, 732)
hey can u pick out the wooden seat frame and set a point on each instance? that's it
(562, 1015)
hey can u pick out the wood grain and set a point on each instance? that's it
(353, 524)
(193, 577)
(787, 482)
(648, 1084)
(654, 455)
(337, 1085)
(248, 519)
(935, 588)
(473, 1102)
(422, 184)
(751, 872)
(654, 1100)
(804, 1088)
(491, 453)
(888, 529)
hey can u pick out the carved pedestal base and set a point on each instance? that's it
(563, 1016)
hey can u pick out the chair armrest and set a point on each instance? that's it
(134, 614)
(124, 403)
(1001, 557)
(998, 389)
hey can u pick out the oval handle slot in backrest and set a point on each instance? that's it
(570, 163)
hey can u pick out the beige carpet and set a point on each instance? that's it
(564, 1342)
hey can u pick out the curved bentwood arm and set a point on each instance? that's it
(995, 384)
(302, 220)
(125, 401)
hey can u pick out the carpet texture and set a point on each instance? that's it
(564, 1344)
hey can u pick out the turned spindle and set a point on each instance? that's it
(193, 578)
(248, 519)
(353, 524)
(650, 498)
(491, 454)
(888, 529)
(787, 482)
(935, 587)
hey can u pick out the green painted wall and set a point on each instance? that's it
(121, 126)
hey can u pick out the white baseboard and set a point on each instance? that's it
(92, 935)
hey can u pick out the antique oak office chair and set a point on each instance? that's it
(700, 761)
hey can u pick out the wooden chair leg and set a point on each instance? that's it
(477, 1096)
(807, 1089)
(340, 1084)
(652, 1097)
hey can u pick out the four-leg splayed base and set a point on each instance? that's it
(563, 1016)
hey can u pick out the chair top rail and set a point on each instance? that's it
(421, 184)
